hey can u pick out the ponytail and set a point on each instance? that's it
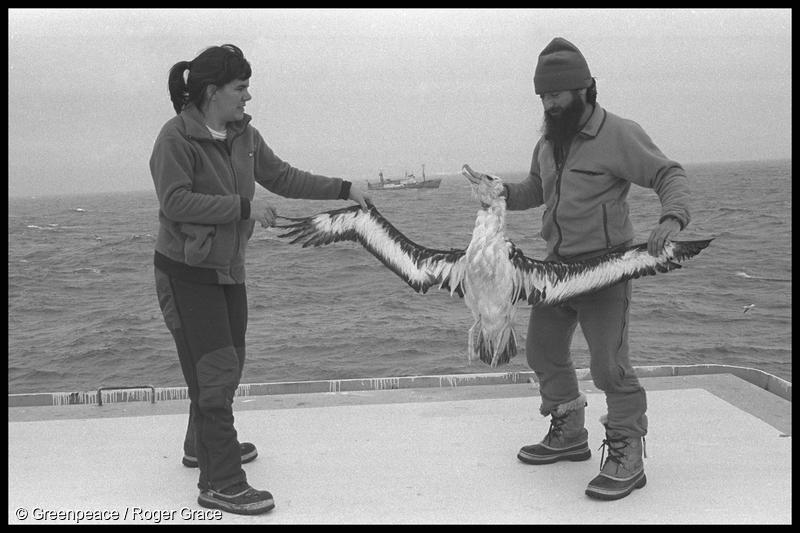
(216, 65)
(178, 92)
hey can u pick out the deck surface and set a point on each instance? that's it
(718, 452)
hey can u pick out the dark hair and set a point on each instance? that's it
(591, 93)
(216, 65)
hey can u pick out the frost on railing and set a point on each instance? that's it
(760, 378)
(72, 398)
(384, 383)
(172, 393)
(118, 395)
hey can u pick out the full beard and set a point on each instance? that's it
(561, 127)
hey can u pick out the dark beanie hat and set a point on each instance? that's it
(561, 67)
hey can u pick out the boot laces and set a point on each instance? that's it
(615, 449)
(556, 430)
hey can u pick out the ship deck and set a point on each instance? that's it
(415, 450)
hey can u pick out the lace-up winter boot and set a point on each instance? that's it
(623, 470)
(566, 440)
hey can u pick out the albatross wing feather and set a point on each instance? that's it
(492, 274)
(417, 265)
(552, 282)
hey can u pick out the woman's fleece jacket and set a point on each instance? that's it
(204, 189)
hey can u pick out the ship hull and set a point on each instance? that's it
(388, 186)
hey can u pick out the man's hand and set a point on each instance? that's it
(357, 195)
(663, 233)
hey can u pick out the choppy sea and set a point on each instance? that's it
(83, 313)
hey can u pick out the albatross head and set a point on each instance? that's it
(485, 187)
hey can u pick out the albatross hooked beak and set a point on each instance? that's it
(485, 187)
(475, 177)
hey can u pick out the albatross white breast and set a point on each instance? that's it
(491, 274)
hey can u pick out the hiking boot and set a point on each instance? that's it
(566, 440)
(239, 499)
(623, 470)
(248, 450)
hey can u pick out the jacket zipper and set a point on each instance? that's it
(605, 226)
(558, 196)
(229, 152)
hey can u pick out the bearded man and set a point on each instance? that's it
(582, 169)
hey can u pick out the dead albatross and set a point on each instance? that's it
(491, 274)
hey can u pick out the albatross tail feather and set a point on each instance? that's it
(492, 351)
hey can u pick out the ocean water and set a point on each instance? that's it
(82, 309)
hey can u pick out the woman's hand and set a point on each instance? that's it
(262, 212)
(357, 195)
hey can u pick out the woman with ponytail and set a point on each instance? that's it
(205, 164)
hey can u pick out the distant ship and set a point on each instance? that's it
(410, 181)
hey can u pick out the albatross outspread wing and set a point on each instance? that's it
(552, 282)
(417, 265)
(491, 281)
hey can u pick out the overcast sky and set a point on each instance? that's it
(348, 92)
